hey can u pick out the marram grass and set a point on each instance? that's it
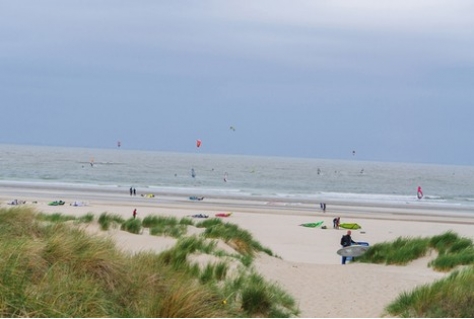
(49, 268)
(452, 297)
(452, 251)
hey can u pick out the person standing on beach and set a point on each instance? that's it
(346, 241)
(134, 192)
(134, 213)
(323, 207)
(131, 191)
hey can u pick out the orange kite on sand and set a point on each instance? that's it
(223, 214)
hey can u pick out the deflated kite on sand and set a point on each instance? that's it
(312, 225)
(350, 226)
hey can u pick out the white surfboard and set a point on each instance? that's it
(353, 251)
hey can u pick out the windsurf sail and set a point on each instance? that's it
(198, 143)
(419, 193)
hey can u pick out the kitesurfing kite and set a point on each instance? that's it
(232, 128)
(419, 193)
(198, 143)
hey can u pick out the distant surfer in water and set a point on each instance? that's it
(419, 193)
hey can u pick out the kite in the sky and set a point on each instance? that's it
(198, 143)
(232, 128)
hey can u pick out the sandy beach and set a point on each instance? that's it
(309, 268)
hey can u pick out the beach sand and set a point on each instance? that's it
(308, 267)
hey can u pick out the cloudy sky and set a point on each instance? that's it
(391, 80)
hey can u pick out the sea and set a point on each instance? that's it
(279, 179)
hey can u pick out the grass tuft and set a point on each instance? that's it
(452, 297)
(107, 220)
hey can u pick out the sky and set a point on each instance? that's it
(390, 80)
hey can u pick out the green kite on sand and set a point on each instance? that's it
(313, 225)
(57, 203)
(350, 226)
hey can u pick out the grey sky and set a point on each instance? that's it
(392, 80)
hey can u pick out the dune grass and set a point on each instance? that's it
(167, 226)
(132, 225)
(55, 217)
(240, 239)
(53, 269)
(452, 251)
(399, 252)
(107, 220)
(452, 297)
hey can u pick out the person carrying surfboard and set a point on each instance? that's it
(346, 241)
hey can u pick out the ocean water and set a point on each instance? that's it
(244, 177)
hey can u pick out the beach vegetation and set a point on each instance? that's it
(58, 270)
(132, 225)
(399, 252)
(86, 219)
(260, 298)
(107, 220)
(177, 256)
(213, 271)
(55, 217)
(167, 226)
(451, 297)
(239, 239)
(452, 251)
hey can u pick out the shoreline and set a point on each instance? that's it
(118, 192)
(308, 267)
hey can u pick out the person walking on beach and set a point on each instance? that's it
(134, 213)
(134, 192)
(346, 241)
(323, 207)
(131, 191)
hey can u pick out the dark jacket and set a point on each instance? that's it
(346, 240)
